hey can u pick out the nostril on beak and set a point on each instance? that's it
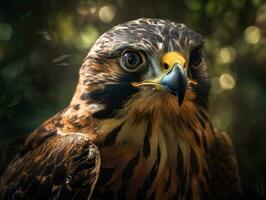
(165, 66)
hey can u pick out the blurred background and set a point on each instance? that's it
(42, 44)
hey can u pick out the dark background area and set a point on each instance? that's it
(42, 44)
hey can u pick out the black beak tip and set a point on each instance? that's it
(180, 99)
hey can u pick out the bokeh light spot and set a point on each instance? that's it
(107, 14)
(252, 35)
(66, 28)
(5, 31)
(226, 55)
(227, 82)
(87, 37)
(85, 10)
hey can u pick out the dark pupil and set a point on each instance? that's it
(132, 59)
(196, 57)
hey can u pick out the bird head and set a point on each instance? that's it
(145, 65)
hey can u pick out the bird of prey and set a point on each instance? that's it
(137, 127)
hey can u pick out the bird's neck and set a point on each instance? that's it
(157, 113)
(150, 148)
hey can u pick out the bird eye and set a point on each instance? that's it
(196, 56)
(131, 60)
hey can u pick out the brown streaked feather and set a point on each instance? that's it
(167, 141)
(61, 167)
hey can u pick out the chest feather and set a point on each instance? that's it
(150, 159)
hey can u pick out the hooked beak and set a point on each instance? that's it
(176, 82)
(173, 77)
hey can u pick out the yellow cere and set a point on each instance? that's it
(172, 58)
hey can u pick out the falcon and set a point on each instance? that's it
(137, 127)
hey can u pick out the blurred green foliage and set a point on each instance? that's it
(42, 44)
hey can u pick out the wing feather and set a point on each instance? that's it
(225, 181)
(61, 167)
